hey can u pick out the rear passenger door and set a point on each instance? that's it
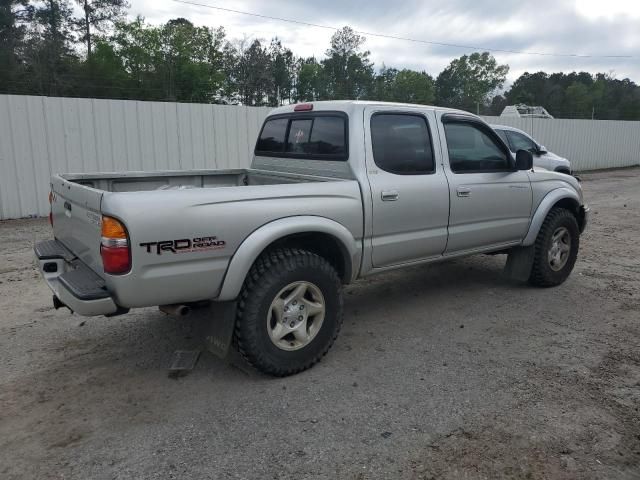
(490, 199)
(410, 195)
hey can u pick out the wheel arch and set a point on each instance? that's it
(558, 198)
(321, 235)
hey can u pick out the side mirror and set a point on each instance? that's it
(524, 160)
(542, 150)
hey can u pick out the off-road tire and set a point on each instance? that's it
(542, 275)
(271, 272)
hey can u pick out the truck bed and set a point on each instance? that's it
(225, 205)
(181, 180)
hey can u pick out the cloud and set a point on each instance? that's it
(586, 27)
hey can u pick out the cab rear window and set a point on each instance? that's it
(318, 136)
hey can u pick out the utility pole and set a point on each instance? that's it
(593, 112)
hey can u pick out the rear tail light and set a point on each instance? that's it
(114, 247)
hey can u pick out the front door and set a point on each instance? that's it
(410, 194)
(490, 200)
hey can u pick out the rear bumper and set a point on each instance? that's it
(72, 282)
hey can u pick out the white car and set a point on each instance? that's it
(518, 140)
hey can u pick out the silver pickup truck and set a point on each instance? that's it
(336, 191)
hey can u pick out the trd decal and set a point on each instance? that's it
(184, 245)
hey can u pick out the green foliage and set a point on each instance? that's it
(176, 61)
(49, 48)
(311, 83)
(470, 80)
(578, 95)
(347, 71)
(406, 86)
(98, 15)
(14, 15)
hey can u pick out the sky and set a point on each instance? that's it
(585, 27)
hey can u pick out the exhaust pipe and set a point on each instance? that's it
(177, 309)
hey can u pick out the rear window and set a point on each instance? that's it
(314, 136)
(272, 135)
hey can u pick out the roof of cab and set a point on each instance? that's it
(350, 105)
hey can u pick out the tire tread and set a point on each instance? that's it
(539, 274)
(266, 266)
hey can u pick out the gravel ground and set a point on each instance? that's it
(443, 371)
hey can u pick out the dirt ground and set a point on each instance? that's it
(447, 371)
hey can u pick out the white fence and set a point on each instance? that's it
(43, 135)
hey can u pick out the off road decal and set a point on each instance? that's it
(184, 245)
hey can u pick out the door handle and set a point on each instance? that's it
(463, 192)
(389, 196)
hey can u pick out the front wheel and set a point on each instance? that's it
(556, 249)
(289, 312)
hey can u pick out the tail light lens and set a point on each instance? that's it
(114, 247)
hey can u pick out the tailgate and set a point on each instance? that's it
(77, 220)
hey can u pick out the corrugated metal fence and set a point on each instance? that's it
(43, 135)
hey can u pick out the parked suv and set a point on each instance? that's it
(518, 140)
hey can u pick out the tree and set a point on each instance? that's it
(578, 95)
(282, 72)
(498, 103)
(310, 83)
(250, 73)
(190, 60)
(98, 15)
(14, 15)
(49, 51)
(406, 86)
(469, 80)
(348, 71)
(176, 61)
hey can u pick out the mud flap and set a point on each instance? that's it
(520, 263)
(215, 324)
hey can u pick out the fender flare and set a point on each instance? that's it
(543, 210)
(259, 239)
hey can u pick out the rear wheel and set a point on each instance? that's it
(289, 312)
(556, 249)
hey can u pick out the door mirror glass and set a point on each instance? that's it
(524, 160)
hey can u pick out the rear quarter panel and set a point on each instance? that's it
(165, 271)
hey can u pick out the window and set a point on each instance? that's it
(327, 136)
(473, 150)
(314, 136)
(401, 144)
(272, 136)
(520, 142)
(503, 136)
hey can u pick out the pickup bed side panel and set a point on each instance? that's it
(182, 241)
(251, 248)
